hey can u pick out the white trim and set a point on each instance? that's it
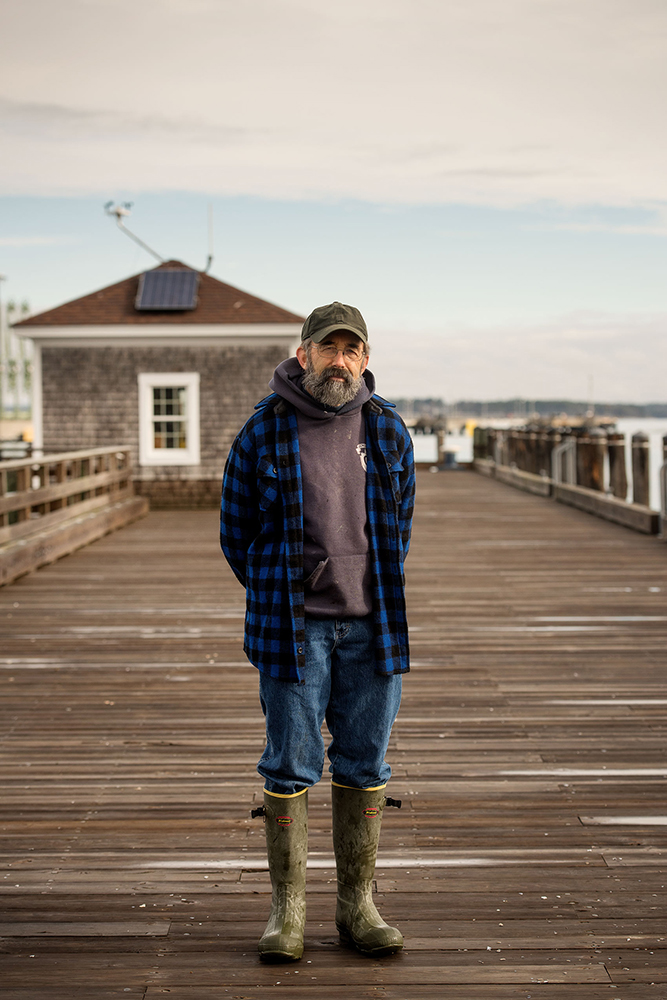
(37, 416)
(135, 332)
(289, 344)
(148, 454)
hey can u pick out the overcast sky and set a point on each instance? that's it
(487, 181)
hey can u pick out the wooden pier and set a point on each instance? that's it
(528, 859)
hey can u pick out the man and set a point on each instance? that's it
(317, 504)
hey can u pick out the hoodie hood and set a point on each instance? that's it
(286, 382)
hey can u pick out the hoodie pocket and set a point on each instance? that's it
(310, 583)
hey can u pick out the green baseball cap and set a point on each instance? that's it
(336, 316)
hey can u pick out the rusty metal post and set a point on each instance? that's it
(597, 440)
(618, 477)
(640, 469)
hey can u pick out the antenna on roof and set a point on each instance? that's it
(121, 210)
(209, 259)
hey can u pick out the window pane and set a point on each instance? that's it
(169, 434)
(169, 401)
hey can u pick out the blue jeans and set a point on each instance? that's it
(341, 686)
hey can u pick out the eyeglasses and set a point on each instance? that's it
(329, 351)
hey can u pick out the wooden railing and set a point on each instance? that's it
(40, 492)
(585, 467)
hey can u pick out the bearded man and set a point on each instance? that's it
(317, 504)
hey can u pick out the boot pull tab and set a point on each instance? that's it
(396, 803)
(260, 811)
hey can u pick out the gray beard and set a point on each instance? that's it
(322, 387)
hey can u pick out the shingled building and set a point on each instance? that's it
(170, 361)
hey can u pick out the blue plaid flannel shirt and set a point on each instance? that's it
(261, 533)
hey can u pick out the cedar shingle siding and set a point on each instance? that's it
(91, 399)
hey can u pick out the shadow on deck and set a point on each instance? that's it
(528, 859)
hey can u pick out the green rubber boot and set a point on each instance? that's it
(286, 823)
(357, 817)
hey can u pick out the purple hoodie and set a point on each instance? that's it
(332, 447)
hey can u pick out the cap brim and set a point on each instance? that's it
(318, 337)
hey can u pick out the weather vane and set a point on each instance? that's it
(120, 211)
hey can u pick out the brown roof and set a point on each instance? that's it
(216, 303)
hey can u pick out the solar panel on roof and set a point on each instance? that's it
(176, 289)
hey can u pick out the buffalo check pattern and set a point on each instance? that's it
(261, 533)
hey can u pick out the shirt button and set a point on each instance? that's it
(299, 649)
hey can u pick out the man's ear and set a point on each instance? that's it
(302, 357)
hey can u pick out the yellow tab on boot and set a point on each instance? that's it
(291, 795)
(375, 788)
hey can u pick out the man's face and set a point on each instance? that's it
(334, 368)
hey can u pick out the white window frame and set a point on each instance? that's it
(148, 453)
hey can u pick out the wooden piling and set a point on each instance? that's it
(618, 477)
(591, 443)
(597, 448)
(640, 469)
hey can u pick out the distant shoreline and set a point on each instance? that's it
(526, 408)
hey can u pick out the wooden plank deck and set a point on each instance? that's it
(528, 860)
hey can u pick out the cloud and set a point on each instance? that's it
(397, 101)
(36, 241)
(625, 355)
(56, 123)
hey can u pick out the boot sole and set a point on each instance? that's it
(278, 957)
(349, 942)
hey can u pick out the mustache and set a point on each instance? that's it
(332, 371)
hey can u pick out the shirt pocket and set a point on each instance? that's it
(267, 483)
(395, 467)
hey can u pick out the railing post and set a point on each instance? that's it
(552, 439)
(618, 477)
(640, 469)
(480, 439)
(532, 462)
(520, 454)
(563, 459)
(23, 485)
(502, 448)
(4, 489)
(542, 453)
